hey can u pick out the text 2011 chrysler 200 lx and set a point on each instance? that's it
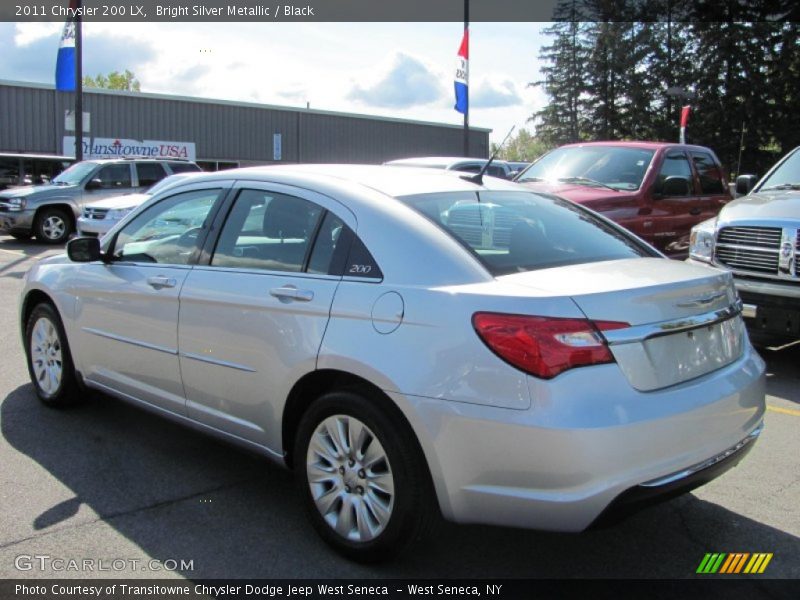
(408, 342)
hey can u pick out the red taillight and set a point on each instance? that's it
(545, 346)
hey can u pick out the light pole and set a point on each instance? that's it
(686, 95)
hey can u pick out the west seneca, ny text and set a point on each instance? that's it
(166, 590)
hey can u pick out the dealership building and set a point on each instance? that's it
(35, 118)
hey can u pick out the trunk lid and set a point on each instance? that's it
(684, 320)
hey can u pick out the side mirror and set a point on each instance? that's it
(675, 185)
(84, 249)
(745, 183)
(94, 184)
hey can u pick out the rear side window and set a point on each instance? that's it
(512, 232)
(149, 173)
(710, 174)
(9, 172)
(328, 245)
(183, 167)
(114, 176)
(267, 230)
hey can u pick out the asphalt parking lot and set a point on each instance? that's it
(107, 481)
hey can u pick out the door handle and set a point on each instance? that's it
(161, 282)
(292, 293)
(695, 211)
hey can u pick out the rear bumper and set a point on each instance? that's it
(771, 308)
(587, 439)
(673, 485)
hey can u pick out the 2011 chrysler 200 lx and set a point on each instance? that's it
(408, 342)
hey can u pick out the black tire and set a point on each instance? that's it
(65, 393)
(52, 225)
(412, 506)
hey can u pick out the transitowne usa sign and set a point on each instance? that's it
(120, 147)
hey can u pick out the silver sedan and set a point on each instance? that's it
(411, 343)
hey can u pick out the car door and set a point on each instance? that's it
(714, 192)
(674, 214)
(127, 309)
(252, 318)
(109, 180)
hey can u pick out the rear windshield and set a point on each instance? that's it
(511, 232)
(184, 167)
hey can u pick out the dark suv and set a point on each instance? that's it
(50, 211)
(659, 191)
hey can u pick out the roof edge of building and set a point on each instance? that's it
(315, 111)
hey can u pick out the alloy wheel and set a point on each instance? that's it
(350, 478)
(46, 355)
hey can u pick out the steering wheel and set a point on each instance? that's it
(189, 237)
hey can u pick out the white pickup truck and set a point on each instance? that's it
(757, 237)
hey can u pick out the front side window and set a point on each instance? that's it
(267, 230)
(512, 232)
(114, 177)
(167, 232)
(675, 165)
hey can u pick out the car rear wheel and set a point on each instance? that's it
(362, 477)
(53, 226)
(49, 361)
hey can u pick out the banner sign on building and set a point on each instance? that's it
(119, 147)
(277, 150)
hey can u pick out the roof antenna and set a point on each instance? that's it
(478, 177)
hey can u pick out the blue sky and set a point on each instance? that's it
(393, 69)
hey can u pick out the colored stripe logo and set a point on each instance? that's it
(734, 563)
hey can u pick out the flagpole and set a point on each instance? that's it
(78, 86)
(466, 112)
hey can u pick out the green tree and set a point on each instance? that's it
(565, 72)
(114, 81)
(522, 147)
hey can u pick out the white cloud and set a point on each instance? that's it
(406, 83)
(27, 33)
(489, 94)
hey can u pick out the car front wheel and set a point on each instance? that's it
(52, 226)
(49, 361)
(362, 477)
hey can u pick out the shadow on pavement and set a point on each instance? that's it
(783, 371)
(30, 248)
(178, 494)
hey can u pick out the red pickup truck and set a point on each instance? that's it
(657, 190)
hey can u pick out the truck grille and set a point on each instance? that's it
(95, 213)
(759, 250)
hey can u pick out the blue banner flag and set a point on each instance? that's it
(65, 63)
